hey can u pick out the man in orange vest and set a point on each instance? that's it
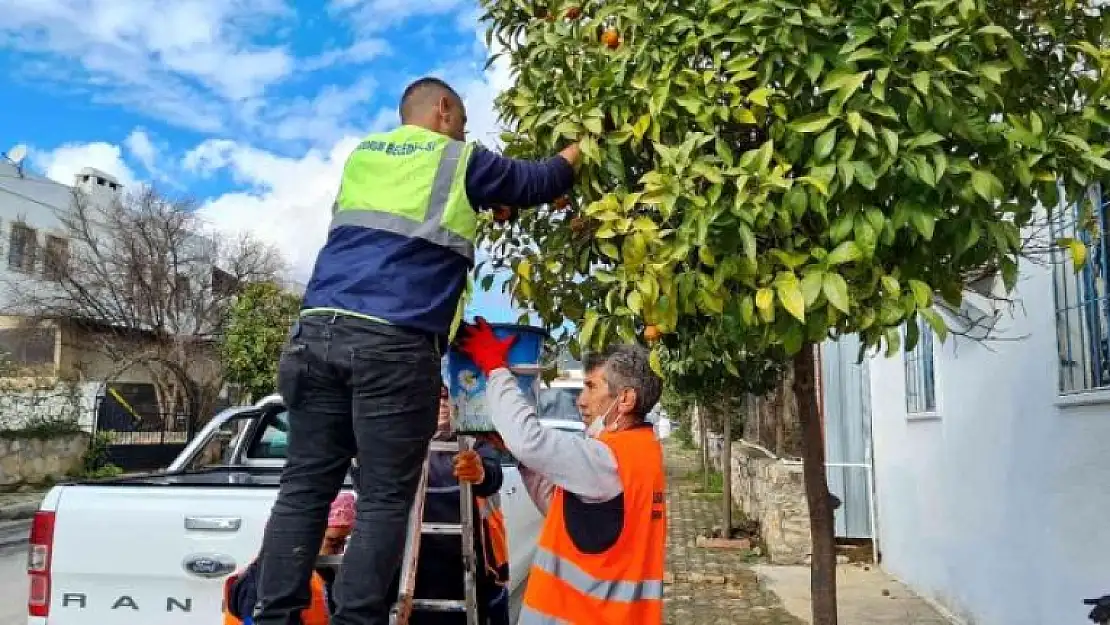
(600, 557)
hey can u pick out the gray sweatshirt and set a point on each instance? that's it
(549, 457)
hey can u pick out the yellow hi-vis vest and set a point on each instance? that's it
(412, 182)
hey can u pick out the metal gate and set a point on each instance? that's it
(845, 390)
(140, 438)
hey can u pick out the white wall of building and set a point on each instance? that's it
(999, 507)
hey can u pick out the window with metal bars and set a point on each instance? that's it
(1081, 297)
(921, 388)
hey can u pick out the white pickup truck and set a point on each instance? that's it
(155, 549)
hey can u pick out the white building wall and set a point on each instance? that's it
(999, 507)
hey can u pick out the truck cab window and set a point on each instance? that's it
(273, 444)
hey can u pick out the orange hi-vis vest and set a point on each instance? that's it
(315, 614)
(623, 583)
(495, 538)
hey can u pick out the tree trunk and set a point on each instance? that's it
(823, 565)
(726, 473)
(703, 434)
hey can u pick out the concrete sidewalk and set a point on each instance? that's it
(865, 596)
(718, 587)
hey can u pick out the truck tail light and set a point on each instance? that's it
(39, 556)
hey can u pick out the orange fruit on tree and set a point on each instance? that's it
(652, 333)
(573, 13)
(611, 38)
(562, 203)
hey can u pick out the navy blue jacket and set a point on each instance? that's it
(410, 282)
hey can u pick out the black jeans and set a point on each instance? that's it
(354, 388)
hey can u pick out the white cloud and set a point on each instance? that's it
(324, 118)
(153, 55)
(139, 144)
(359, 52)
(62, 164)
(286, 201)
(378, 15)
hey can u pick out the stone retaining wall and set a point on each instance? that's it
(39, 460)
(771, 491)
(768, 490)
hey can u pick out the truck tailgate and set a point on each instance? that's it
(123, 554)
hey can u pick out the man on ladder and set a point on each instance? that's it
(441, 567)
(361, 369)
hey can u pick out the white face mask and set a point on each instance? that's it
(598, 424)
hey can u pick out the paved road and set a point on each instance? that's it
(13, 586)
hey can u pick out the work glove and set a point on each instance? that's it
(483, 347)
(468, 467)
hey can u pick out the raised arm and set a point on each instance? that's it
(493, 180)
(583, 466)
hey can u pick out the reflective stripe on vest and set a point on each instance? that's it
(434, 225)
(528, 616)
(606, 590)
(623, 583)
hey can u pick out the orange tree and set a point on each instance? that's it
(761, 175)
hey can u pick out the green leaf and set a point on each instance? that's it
(924, 47)
(865, 175)
(790, 294)
(891, 139)
(921, 82)
(1077, 250)
(656, 363)
(764, 299)
(924, 140)
(641, 126)
(835, 289)
(846, 252)
(811, 286)
(824, 145)
(924, 223)
(995, 30)
(940, 328)
(585, 334)
(759, 96)
(922, 294)
(855, 120)
(993, 71)
(594, 125)
(747, 241)
(986, 185)
(811, 123)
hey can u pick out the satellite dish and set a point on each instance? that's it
(17, 153)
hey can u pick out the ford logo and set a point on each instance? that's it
(209, 565)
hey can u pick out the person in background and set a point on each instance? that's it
(439, 572)
(600, 557)
(241, 590)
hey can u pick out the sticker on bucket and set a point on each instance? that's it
(467, 384)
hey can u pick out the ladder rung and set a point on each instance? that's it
(439, 605)
(448, 529)
(444, 446)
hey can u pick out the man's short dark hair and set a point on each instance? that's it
(628, 366)
(424, 92)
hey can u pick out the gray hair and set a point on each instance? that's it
(628, 366)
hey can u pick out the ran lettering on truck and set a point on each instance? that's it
(80, 601)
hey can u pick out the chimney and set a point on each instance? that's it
(97, 183)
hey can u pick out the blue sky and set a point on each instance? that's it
(249, 106)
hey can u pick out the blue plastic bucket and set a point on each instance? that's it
(467, 384)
